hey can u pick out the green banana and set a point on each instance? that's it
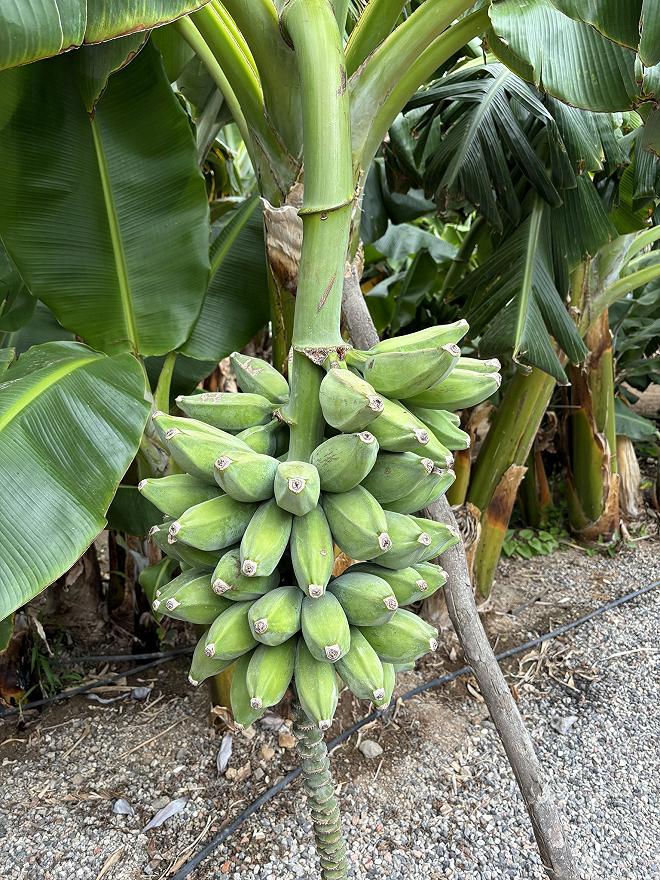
(362, 670)
(477, 365)
(345, 460)
(167, 424)
(325, 627)
(396, 474)
(367, 599)
(442, 537)
(164, 591)
(184, 554)
(275, 617)
(316, 686)
(256, 376)
(269, 673)
(246, 476)
(410, 541)
(239, 696)
(399, 374)
(197, 451)
(347, 401)
(230, 635)
(228, 410)
(297, 487)
(312, 552)
(358, 523)
(404, 639)
(177, 492)
(430, 337)
(270, 439)
(212, 525)
(265, 539)
(424, 494)
(389, 680)
(203, 667)
(192, 600)
(229, 581)
(444, 426)
(409, 584)
(459, 390)
(398, 430)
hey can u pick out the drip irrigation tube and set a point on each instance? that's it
(187, 869)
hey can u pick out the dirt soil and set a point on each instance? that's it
(62, 769)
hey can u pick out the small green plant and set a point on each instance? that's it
(526, 543)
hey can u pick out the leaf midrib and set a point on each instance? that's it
(116, 239)
(528, 272)
(42, 385)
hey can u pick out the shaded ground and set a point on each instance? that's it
(438, 802)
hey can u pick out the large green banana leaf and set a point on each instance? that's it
(105, 216)
(236, 303)
(633, 23)
(567, 58)
(70, 424)
(35, 29)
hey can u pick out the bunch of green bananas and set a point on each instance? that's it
(239, 505)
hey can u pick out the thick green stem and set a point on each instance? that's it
(511, 433)
(373, 26)
(319, 788)
(326, 210)
(162, 392)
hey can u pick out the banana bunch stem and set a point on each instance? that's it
(319, 788)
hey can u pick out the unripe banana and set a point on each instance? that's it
(367, 599)
(270, 439)
(362, 670)
(478, 365)
(410, 541)
(256, 376)
(230, 635)
(177, 492)
(442, 537)
(186, 555)
(395, 474)
(228, 410)
(347, 401)
(444, 426)
(430, 337)
(409, 584)
(203, 667)
(275, 617)
(389, 680)
(297, 487)
(325, 628)
(192, 599)
(403, 640)
(312, 552)
(196, 451)
(425, 494)
(239, 696)
(399, 374)
(461, 389)
(167, 424)
(229, 581)
(212, 525)
(357, 522)
(246, 476)
(265, 539)
(269, 673)
(345, 460)
(316, 686)
(164, 591)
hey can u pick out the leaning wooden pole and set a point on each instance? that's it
(547, 821)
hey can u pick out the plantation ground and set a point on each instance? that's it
(438, 802)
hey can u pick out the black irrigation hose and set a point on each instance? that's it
(268, 795)
(127, 658)
(74, 692)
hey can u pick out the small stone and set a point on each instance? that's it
(78, 779)
(285, 739)
(370, 748)
(267, 753)
(159, 803)
(563, 725)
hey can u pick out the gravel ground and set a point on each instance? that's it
(437, 802)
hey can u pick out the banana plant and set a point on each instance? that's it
(313, 94)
